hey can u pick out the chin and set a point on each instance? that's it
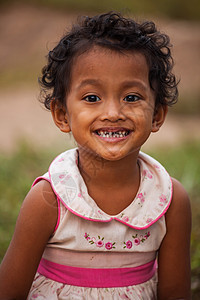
(112, 155)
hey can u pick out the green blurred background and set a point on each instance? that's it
(28, 138)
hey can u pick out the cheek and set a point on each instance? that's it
(141, 116)
(148, 113)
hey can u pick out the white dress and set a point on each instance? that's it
(93, 255)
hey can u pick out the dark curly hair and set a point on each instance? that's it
(113, 31)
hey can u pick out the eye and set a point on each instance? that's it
(91, 98)
(132, 98)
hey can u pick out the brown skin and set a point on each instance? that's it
(174, 252)
(109, 167)
(35, 224)
(115, 170)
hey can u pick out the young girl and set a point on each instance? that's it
(106, 221)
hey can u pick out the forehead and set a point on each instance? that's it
(101, 62)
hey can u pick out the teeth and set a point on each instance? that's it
(112, 134)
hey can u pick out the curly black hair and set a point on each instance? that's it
(115, 32)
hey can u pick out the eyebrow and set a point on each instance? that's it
(88, 82)
(125, 84)
(134, 83)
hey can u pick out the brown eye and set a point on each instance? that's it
(92, 98)
(132, 98)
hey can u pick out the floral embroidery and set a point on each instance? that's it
(163, 200)
(124, 218)
(86, 236)
(149, 220)
(61, 159)
(64, 178)
(147, 174)
(128, 244)
(156, 166)
(109, 245)
(147, 234)
(141, 197)
(99, 242)
(137, 240)
(61, 176)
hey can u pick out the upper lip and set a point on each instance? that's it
(112, 129)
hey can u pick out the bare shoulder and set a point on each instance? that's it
(179, 190)
(41, 203)
(35, 225)
(174, 252)
(43, 196)
(180, 204)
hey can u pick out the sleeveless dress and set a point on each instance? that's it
(93, 255)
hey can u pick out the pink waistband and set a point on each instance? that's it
(99, 278)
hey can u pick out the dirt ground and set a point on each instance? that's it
(25, 34)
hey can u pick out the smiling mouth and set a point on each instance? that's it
(112, 134)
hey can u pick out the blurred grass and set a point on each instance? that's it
(16, 175)
(18, 171)
(176, 9)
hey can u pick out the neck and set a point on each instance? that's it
(97, 171)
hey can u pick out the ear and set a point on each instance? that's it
(59, 115)
(159, 117)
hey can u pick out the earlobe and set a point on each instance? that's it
(159, 117)
(59, 115)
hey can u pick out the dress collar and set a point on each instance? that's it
(149, 205)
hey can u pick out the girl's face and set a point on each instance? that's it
(110, 105)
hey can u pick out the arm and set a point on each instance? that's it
(35, 224)
(174, 253)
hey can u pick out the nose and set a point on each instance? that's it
(112, 111)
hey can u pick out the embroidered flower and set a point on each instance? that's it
(61, 159)
(99, 243)
(149, 220)
(147, 174)
(129, 244)
(125, 219)
(147, 234)
(137, 241)
(163, 200)
(109, 245)
(141, 197)
(86, 236)
(64, 178)
(61, 176)
(156, 166)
